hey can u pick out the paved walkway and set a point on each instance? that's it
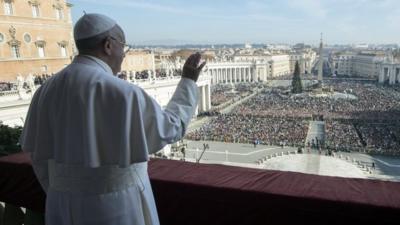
(16, 103)
(275, 157)
(315, 164)
(316, 129)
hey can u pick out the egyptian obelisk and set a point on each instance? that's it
(320, 64)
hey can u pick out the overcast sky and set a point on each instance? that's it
(255, 21)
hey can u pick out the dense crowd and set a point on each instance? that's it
(366, 116)
(308, 76)
(374, 102)
(248, 128)
(341, 136)
(224, 93)
(6, 86)
(221, 94)
(38, 79)
(147, 74)
(274, 116)
(380, 136)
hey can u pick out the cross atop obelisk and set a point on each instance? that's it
(320, 63)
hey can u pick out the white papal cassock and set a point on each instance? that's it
(90, 133)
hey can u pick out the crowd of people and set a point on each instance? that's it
(224, 93)
(38, 79)
(275, 116)
(6, 86)
(147, 74)
(380, 137)
(372, 103)
(248, 128)
(221, 94)
(355, 135)
(341, 136)
(308, 76)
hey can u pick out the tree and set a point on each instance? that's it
(297, 86)
(9, 138)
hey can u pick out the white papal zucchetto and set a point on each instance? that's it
(92, 24)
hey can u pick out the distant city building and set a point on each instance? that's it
(361, 46)
(35, 37)
(366, 64)
(280, 65)
(165, 61)
(237, 72)
(183, 53)
(278, 47)
(138, 60)
(256, 68)
(224, 65)
(343, 63)
(306, 58)
(258, 64)
(277, 65)
(390, 69)
(363, 64)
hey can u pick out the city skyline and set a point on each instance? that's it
(214, 22)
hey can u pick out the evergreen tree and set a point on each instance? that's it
(9, 139)
(297, 86)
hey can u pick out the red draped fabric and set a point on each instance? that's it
(18, 184)
(188, 193)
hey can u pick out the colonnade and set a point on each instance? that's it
(205, 98)
(237, 74)
(390, 73)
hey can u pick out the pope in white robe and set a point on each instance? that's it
(90, 134)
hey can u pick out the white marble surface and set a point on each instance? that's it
(315, 164)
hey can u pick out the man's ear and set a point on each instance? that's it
(107, 46)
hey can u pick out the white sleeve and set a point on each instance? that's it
(30, 129)
(29, 139)
(167, 126)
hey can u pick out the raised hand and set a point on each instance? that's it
(191, 69)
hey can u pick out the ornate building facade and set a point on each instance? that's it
(35, 37)
(138, 60)
(363, 64)
(390, 70)
(255, 68)
(306, 59)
